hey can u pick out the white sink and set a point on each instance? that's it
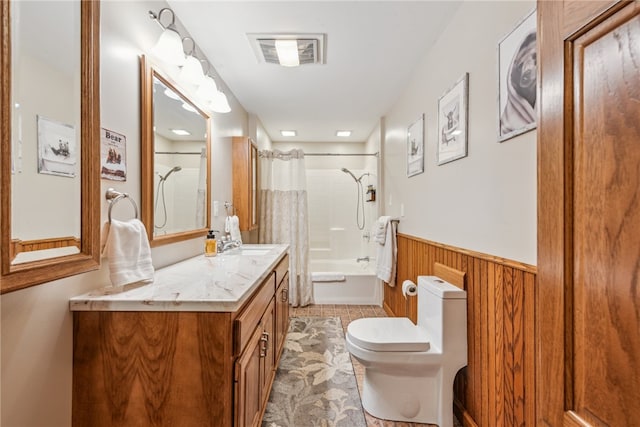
(254, 252)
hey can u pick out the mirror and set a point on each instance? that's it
(176, 195)
(51, 136)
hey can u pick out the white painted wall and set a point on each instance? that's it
(36, 325)
(485, 202)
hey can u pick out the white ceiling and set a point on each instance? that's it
(372, 49)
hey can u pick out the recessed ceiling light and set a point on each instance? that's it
(181, 132)
(288, 133)
(343, 133)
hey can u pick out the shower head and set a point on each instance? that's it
(173, 169)
(345, 170)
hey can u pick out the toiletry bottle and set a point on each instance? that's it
(210, 244)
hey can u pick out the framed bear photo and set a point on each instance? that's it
(517, 66)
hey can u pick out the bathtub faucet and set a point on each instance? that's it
(366, 258)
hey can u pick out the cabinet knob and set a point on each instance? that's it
(285, 295)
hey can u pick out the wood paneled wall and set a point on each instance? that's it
(497, 388)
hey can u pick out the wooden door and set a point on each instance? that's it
(588, 301)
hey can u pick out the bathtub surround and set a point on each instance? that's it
(284, 215)
(359, 287)
(315, 382)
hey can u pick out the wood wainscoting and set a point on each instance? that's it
(497, 388)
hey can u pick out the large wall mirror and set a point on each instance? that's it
(176, 159)
(50, 115)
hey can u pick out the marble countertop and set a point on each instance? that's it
(221, 283)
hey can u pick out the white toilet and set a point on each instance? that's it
(409, 369)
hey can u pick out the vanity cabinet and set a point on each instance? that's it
(180, 368)
(245, 182)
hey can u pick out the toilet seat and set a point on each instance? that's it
(388, 334)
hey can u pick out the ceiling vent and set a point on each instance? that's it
(310, 47)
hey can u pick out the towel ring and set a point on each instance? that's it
(114, 196)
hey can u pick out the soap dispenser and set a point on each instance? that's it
(210, 244)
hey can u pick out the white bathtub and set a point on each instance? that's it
(360, 287)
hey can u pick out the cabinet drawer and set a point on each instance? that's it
(281, 269)
(246, 322)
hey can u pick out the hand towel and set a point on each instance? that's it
(387, 256)
(318, 276)
(380, 229)
(127, 248)
(234, 228)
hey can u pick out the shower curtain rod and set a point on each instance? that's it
(340, 154)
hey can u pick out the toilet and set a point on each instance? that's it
(409, 369)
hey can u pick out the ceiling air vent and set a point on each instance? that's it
(310, 47)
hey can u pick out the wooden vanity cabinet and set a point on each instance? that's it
(245, 181)
(188, 369)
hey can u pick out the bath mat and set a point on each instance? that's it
(315, 384)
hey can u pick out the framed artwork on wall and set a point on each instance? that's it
(415, 147)
(57, 148)
(453, 108)
(517, 64)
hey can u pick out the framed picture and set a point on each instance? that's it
(113, 151)
(517, 63)
(57, 148)
(415, 147)
(453, 122)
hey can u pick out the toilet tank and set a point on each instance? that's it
(442, 311)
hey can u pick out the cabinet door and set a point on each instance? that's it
(253, 186)
(245, 182)
(282, 314)
(249, 381)
(268, 351)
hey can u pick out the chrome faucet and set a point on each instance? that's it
(226, 243)
(366, 258)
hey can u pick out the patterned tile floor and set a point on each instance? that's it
(347, 313)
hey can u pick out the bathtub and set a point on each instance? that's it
(360, 287)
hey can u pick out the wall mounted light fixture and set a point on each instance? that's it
(169, 45)
(170, 49)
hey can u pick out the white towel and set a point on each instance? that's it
(320, 276)
(380, 229)
(127, 248)
(234, 228)
(387, 256)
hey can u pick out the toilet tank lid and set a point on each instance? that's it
(440, 288)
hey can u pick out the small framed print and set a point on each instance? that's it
(453, 122)
(517, 64)
(415, 147)
(57, 148)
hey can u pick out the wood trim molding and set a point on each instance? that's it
(448, 274)
(485, 257)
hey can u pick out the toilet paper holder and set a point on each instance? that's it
(409, 288)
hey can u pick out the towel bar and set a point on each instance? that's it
(114, 196)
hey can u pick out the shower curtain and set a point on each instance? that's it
(201, 197)
(284, 216)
